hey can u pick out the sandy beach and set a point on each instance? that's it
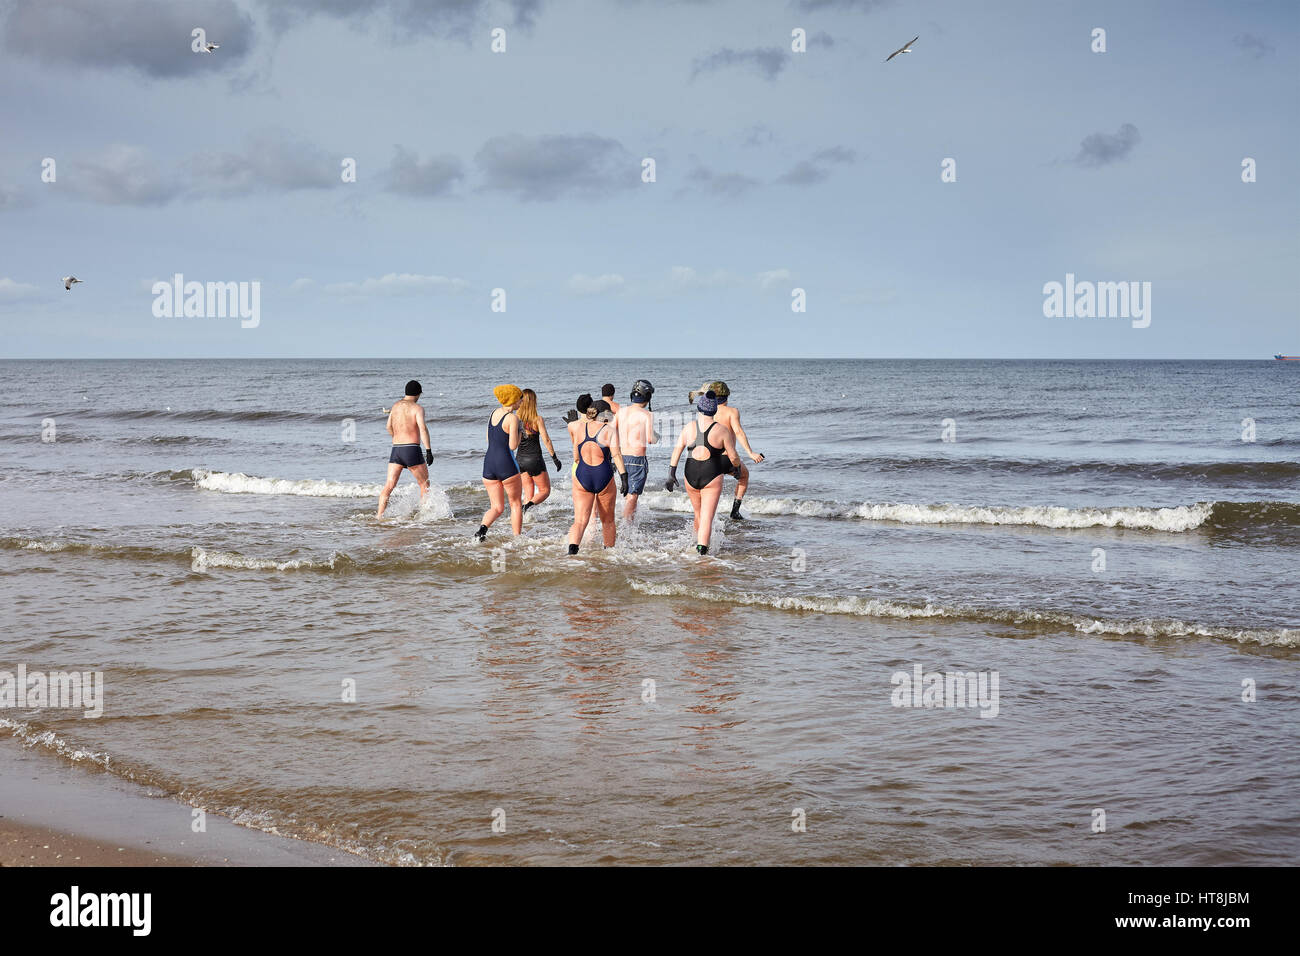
(56, 814)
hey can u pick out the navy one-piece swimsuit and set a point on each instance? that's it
(499, 462)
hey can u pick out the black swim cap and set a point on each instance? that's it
(413, 387)
(642, 388)
(583, 403)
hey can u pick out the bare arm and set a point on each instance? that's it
(729, 445)
(546, 437)
(424, 429)
(614, 451)
(513, 430)
(744, 442)
(389, 426)
(679, 448)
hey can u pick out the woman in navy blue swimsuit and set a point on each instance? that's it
(594, 444)
(500, 470)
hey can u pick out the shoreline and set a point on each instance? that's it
(55, 814)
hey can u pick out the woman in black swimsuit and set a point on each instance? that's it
(532, 435)
(712, 448)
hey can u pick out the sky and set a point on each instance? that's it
(774, 171)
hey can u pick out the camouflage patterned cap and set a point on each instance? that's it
(717, 388)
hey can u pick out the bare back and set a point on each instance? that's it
(404, 422)
(635, 428)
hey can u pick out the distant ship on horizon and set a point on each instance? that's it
(1287, 358)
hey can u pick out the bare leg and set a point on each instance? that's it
(709, 496)
(496, 500)
(394, 472)
(742, 481)
(527, 487)
(542, 491)
(582, 503)
(605, 506)
(629, 507)
(513, 487)
(693, 493)
(421, 473)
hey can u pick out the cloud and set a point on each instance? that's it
(397, 284)
(768, 279)
(547, 167)
(10, 198)
(768, 61)
(301, 285)
(411, 19)
(434, 177)
(1101, 149)
(151, 37)
(813, 170)
(865, 6)
(821, 38)
(729, 185)
(686, 279)
(581, 284)
(11, 291)
(271, 160)
(1253, 45)
(121, 175)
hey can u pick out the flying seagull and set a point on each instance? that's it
(69, 280)
(211, 46)
(905, 48)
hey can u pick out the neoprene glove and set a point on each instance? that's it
(671, 483)
(622, 483)
(558, 466)
(428, 456)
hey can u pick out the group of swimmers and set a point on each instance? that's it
(515, 472)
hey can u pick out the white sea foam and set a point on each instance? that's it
(240, 484)
(204, 560)
(49, 741)
(1176, 519)
(875, 607)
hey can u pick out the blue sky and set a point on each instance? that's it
(775, 170)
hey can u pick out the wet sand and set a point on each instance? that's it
(55, 814)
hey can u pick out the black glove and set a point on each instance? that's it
(558, 466)
(671, 483)
(570, 417)
(428, 456)
(622, 483)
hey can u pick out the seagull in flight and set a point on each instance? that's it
(905, 48)
(208, 48)
(69, 280)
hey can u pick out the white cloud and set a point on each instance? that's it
(581, 284)
(300, 285)
(684, 278)
(11, 291)
(405, 283)
(767, 279)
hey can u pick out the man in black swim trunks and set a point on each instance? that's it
(407, 426)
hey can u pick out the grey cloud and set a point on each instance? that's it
(434, 177)
(1101, 149)
(271, 160)
(1253, 45)
(866, 6)
(149, 36)
(821, 38)
(121, 176)
(546, 167)
(769, 61)
(808, 172)
(411, 19)
(720, 184)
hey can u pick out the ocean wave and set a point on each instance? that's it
(239, 483)
(34, 738)
(884, 608)
(1208, 515)
(204, 560)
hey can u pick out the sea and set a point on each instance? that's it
(978, 612)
